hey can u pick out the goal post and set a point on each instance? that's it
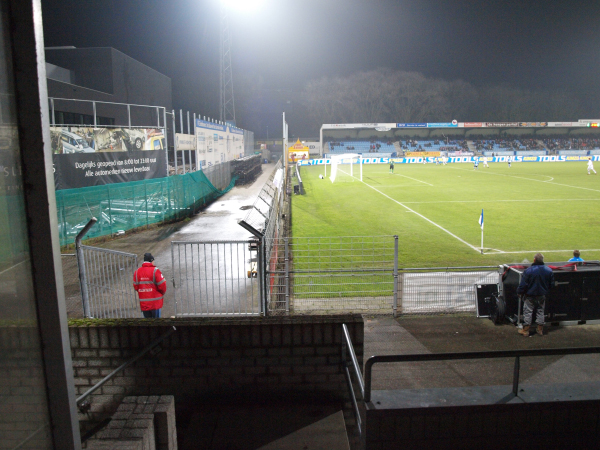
(342, 167)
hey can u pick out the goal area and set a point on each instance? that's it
(346, 167)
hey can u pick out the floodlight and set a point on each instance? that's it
(242, 5)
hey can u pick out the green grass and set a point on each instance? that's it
(530, 207)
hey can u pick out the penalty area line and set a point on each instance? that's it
(414, 179)
(477, 249)
(530, 179)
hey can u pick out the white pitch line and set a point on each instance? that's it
(414, 179)
(546, 251)
(477, 249)
(529, 179)
(399, 185)
(498, 201)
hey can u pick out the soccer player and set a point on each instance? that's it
(476, 163)
(485, 164)
(591, 166)
(391, 166)
(444, 160)
(509, 160)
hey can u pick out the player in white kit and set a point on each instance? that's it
(591, 166)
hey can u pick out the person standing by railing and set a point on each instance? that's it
(151, 286)
(536, 281)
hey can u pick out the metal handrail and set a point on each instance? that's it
(357, 370)
(146, 349)
(517, 354)
(347, 346)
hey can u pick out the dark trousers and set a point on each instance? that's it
(152, 314)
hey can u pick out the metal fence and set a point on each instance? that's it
(333, 274)
(442, 290)
(216, 278)
(361, 274)
(219, 175)
(107, 283)
(266, 221)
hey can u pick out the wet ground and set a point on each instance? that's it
(467, 333)
(218, 221)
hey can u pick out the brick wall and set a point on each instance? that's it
(23, 405)
(211, 357)
(146, 422)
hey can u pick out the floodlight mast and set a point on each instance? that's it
(227, 103)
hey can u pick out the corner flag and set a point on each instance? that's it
(481, 220)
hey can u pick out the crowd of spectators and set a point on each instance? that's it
(572, 143)
(508, 144)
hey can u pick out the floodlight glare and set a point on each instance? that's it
(242, 5)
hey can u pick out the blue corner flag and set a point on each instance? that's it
(481, 220)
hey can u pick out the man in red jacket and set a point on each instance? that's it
(150, 286)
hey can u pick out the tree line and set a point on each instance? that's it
(389, 96)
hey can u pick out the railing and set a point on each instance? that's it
(348, 348)
(216, 278)
(517, 354)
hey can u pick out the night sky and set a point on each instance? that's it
(530, 44)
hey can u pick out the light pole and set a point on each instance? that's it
(267, 132)
(226, 100)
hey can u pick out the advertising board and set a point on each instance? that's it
(184, 142)
(217, 143)
(460, 159)
(87, 156)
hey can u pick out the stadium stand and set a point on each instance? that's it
(531, 153)
(361, 147)
(525, 146)
(558, 143)
(573, 152)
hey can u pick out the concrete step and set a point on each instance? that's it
(326, 434)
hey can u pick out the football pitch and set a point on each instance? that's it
(551, 208)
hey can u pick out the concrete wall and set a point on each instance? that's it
(208, 357)
(539, 425)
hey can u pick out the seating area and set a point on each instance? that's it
(557, 144)
(361, 147)
(493, 145)
(529, 146)
(436, 145)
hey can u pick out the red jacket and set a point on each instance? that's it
(150, 286)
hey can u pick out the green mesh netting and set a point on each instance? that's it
(123, 206)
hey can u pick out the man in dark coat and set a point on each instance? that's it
(536, 281)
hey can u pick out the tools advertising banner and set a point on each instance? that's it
(87, 156)
(460, 159)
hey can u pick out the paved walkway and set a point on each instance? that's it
(217, 221)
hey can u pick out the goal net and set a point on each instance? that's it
(345, 168)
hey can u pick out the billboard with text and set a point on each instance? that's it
(87, 156)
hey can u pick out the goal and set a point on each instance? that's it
(346, 167)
